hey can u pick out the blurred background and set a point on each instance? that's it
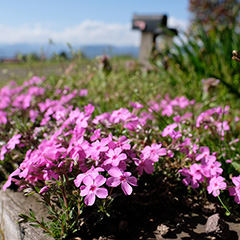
(71, 38)
(95, 27)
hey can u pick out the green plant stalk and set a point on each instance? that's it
(227, 211)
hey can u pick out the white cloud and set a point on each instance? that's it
(86, 33)
(178, 23)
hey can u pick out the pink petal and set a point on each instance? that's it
(132, 180)
(222, 186)
(110, 153)
(115, 172)
(84, 191)
(102, 192)
(113, 182)
(8, 182)
(99, 180)
(88, 180)
(216, 193)
(90, 199)
(237, 199)
(122, 156)
(162, 152)
(232, 191)
(127, 189)
(148, 168)
(78, 180)
(236, 181)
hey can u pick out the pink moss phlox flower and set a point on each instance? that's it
(211, 116)
(211, 169)
(175, 134)
(5, 101)
(35, 80)
(118, 177)
(83, 92)
(145, 116)
(96, 148)
(25, 166)
(144, 165)
(193, 175)
(177, 119)
(67, 98)
(216, 184)
(122, 142)
(235, 191)
(185, 146)
(153, 106)
(73, 115)
(13, 141)
(222, 127)
(43, 106)
(153, 152)
(181, 102)
(136, 105)
(44, 189)
(49, 174)
(82, 120)
(114, 157)
(102, 118)
(92, 188)
(121, 114)
(36, 91)
(186, 116)
(89, 109)
(167, 110)
(51, 152)
(39, 162)
(94, 172)
(45, 120)
(3, 151)
(169, 129)
(3, 117)
(203, 117)
(77, 148)
(22, 101)
(33, 114)
(133, 123)
(96, 135)
(205, 156)
(10, 178)
(170, 153)
(60, 115)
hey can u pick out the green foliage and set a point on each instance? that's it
(64, 206)
(212, 14)
(202, 55)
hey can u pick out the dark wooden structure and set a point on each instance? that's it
(151, 27)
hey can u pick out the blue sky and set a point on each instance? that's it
(83, 22)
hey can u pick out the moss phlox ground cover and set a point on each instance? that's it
(55, 144)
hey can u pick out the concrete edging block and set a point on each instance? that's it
(11, 205)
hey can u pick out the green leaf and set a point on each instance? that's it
(236, 166)
(35, 225)
(32, 214)
(64, 218)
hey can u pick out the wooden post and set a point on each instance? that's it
(146, 47)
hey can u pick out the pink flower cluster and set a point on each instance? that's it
(110, 150)
(70, 149)
(209, 169)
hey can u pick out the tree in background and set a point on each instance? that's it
(212, 14)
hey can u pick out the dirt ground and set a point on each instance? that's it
(159, 212)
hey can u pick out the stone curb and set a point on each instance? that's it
(11, 205)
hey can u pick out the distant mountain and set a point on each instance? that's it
(90, 51)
